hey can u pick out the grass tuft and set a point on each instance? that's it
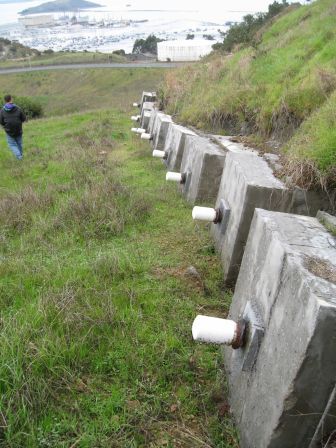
(17, 209)
(102, 210)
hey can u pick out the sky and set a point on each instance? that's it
(217, 10)
(220, 5)
(243, 5)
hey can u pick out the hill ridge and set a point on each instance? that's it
(59, 6)
(268, 92)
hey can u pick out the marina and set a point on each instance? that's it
(109, 28)
(103, 35)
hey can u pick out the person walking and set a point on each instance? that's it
(11, 119)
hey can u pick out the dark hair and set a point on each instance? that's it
(8, 98)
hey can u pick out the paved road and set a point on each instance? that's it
(106, 65)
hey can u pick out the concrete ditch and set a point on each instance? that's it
(283, 266)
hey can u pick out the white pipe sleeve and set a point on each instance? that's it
(135, 117)
(204, 214)
(159, 154)
(174, 177)
(214, 330)
(140, 130)
(135, 105)
(146, 136)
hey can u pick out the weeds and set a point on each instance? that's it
(102, 210)
(96, 347)
(83, 89)
(17, 209)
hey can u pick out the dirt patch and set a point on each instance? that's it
(321, 268)
(178, 434)
(191, 276)
(284, 123)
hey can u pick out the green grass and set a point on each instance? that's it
(58, 58)
(269, 90)
(79, 90)
(96, 307)
(315, 141)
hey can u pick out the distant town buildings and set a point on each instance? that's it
(42, 20)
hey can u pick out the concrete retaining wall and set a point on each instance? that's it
(203, 163)
(247, 183)
(279, 400)
(152, 120)
(147, 97)
(327, 423)
(146, 113)
(282, 382)
(174, 146)
(160, 130)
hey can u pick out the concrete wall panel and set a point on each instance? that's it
(247, 183)
(146, 113)
(160, 130)
(284, 274)
(147, 97)
(174, 146)
(203, 163)
(152, 120)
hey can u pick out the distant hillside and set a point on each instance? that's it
(14, 50)
(60, 6)
(279, 91)
(15, 55)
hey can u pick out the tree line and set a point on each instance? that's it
(244, 33)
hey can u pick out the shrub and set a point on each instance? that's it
(244, 32)
(119, 52)
(208, 37)
(148, 45)
(31, 107)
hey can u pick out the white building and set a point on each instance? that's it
(183, 50)
(43, 20)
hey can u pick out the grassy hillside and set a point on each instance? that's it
(26, 57)
(82, 89)
(96, 300)
(270, 90)
(14, 54)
